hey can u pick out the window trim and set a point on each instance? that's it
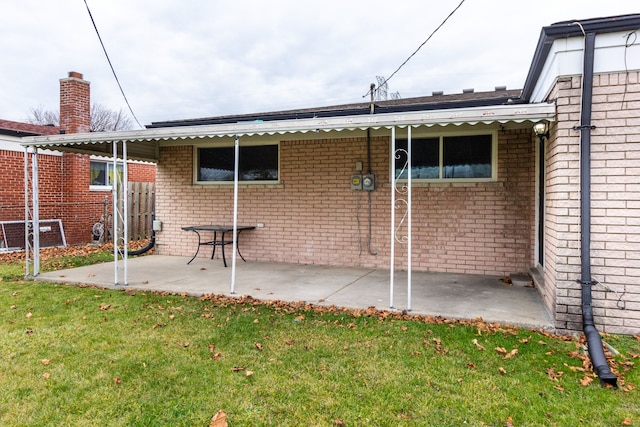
(441, 136)
(196, 159)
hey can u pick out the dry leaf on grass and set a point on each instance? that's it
(586, 380)
(219, 419)
(478, 345)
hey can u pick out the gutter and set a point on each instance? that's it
(594, 340)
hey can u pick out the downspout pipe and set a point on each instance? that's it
(149, 245)
(594, 340)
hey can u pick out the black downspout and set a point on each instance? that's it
(594, 341)
(151, 243)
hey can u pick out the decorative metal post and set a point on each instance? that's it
(401, 202)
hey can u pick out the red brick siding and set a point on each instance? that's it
(64, 191)
(313, 215)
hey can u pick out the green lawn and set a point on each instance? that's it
(81, 356)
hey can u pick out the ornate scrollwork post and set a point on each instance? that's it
(401, 203)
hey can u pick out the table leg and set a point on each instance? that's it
(197, 248)
(215, 239)
(224, 259)
(238, 245)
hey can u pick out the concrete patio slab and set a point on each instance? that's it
(454, 296)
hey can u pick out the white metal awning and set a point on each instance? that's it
(146, 140)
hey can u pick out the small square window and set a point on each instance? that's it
(101, 173)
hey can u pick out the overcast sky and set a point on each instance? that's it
(202, 58)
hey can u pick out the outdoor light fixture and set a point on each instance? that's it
(541, 129)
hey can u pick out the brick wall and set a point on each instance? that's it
(12, 186)
(64, 191)
(615, 203)
(314, 217)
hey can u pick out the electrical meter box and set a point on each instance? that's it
(356, 182)
(369, 182)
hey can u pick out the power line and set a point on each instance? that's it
(419, 47)
(111, 65)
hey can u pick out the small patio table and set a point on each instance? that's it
(221, 230)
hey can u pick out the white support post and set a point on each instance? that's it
(409, 230)
(125, 213)
(235, 213)
(114, 216)
(31, 216)
(393, 216)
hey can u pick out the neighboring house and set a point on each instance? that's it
(487, 195)
(74, 188)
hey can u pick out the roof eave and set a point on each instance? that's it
(499, 113)
(567, 29)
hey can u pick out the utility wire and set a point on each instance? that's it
(111, 65)
(419, 47)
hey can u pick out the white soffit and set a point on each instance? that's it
(495, 114)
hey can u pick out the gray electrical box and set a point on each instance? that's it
(369, 182)
(356, 182)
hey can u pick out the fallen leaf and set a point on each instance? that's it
(586, 380)
(478, 345)
(501, 350)
(211, 348)
(558, 387)
(509, 422)
(471, 365)
(248, 373)
(237, 369)
(219, 419)
(338, 422)
(13, 307)
(45, 362)
(511, 354)
(29, 315)
(259, 346)
(46, 375)
(502, 370)
(15, 294)
(553, 375)
(626, 422)
(217, 356)
(105, 307)
(117, 381)
(289, 342)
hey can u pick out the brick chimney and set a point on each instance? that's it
(75, 104)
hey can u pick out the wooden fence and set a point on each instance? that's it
(141, 209)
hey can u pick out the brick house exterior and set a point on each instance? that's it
(310, 223)
(525, 219)
(64, 178)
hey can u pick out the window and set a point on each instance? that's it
(463, 157)
(257, 163)
(101, 173)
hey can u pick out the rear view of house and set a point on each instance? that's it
(487, 183)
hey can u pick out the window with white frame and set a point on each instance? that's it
(448, 158)
(101, 174)
(256, 163)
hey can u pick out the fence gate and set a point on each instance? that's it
(141, 209)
